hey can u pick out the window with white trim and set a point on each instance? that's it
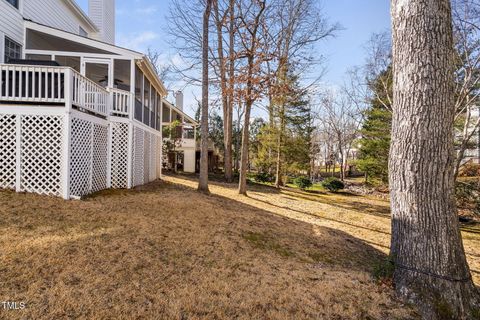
(13, 50)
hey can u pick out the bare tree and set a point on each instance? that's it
(162, 68)
(203, 180)
(341, 122)
(290, 31)
(251, 15)
(430, 264)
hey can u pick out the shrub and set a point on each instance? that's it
(263, 177)
(468, 195)
(333, 184)
(470, 169)
(302, 182)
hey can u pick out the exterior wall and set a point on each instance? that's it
(102, 13)
(189, 160)
(54, 13)
(11, 25)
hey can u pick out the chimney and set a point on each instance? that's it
(179, 100)
(102, 13)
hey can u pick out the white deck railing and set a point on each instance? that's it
(32, 83)
(44, 84)
(121, 102)
(89, 95)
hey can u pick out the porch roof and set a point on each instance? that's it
(142, 60)
(170, 105)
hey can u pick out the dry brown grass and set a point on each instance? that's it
(164, 251)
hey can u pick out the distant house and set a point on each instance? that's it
(77, 113)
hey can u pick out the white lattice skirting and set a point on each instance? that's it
(76, 154)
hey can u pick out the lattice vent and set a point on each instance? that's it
(8, 151)
(41, 154)
(99, 169)
(119, 155)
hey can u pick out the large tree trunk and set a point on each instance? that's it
(203, 180)
(430, 264)
(242, 184)
(228, 119)
(278, 167)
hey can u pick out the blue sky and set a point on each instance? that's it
(141, 24)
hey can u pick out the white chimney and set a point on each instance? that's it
(102, 13)
(179, 100)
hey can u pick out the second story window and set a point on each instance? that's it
(12, 50)
(13, 3)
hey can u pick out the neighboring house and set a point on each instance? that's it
(77, 113)
(472, 154)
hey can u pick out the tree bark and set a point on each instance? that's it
(426, 247)
(203, 180)
(228, 120)
(242, 184)
(278, 167)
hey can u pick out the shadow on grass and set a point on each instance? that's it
(217, 244)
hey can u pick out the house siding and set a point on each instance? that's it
(102, 13)
(53, 13)
(11, 25)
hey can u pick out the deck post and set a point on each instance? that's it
(67, 134)
(18, 142)
(130, 155)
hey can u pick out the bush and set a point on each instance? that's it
(263, 177)
(468, 196)
(302, 182)
(470, 169)
(333, 184)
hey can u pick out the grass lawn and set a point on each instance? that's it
(163, 251)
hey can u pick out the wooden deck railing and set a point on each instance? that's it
(44, 84)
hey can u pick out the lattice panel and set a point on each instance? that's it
(146, 158)
(81, 157)
(138, 156)
(100, 152)
(41, 154)
(8, 151)
(153, 152)
(159, 158)
(119, 155)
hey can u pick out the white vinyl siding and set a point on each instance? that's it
(102, 13)
(53, 13)
(11, 25)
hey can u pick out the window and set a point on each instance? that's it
(12, 50)
(82, 32)
(13, 3)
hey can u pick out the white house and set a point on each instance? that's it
(77, 113)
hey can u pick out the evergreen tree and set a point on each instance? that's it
(375, 141)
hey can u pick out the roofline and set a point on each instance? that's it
(82, 14)
(83, 40)
(194, 122)
(149, 71)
